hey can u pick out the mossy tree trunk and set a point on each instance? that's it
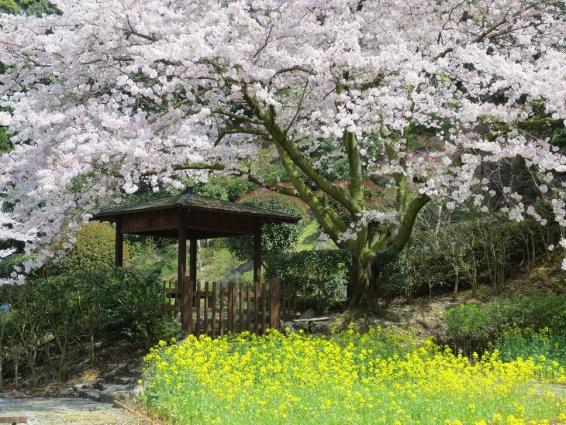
(355, 234)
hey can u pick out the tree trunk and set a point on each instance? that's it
(91, 346)
(16, 373)
(362, 291)
(456, 280)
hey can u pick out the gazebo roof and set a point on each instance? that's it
(202, 217)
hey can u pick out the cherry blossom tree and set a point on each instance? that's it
(420, 95)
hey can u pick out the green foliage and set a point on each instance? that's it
(473, 326)
(317, 278)
(28, 7)
(9, 6)
(145, 253)
(5, 143)
(516, 342)
(484, 250)
(94, 249)
(275, 238)
(53, 319)
(222, 187)
(8, 264)
(395, 276)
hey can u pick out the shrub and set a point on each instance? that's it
(473, 326)
(275, 238)
(53, 319)
(467, 253)
(317, 278)
(396, 277)
(227, 188)
(94, 249)
(8, 264)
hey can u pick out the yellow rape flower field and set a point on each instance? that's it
(378, 377)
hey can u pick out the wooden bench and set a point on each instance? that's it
(13, 420)
(311, 321)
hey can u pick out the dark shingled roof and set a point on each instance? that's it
(194, 202)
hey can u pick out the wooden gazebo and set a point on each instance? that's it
(191, 217)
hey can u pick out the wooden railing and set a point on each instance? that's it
(217, 308)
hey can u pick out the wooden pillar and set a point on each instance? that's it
(119, 246)
(275, 304)
(193, 261)
(189, 289)
(182, 289)
(257, 254)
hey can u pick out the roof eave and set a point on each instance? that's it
(114, 215)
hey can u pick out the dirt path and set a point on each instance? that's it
(60, 411)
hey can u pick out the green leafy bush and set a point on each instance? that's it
(396, 277)
(516, 342)
(467, 253)
(473, 326)
(93, 250)
(222, 187)
(52, 320)
(317, 278)
(275, 238)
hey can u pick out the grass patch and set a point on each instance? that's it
(379, 377)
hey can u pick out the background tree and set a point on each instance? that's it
(420, 96)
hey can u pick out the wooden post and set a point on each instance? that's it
(119, 246)
(248, 311)
(256, 307)
(263, 308)
(221, 308)
(197, 297)
(257, 254)
(240, 309)
(206, 305)
(213, 324)
(189, 304)
(193, 262)
(275, 305)
(231, 299)
(182, 290)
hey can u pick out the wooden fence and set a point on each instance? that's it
(215, 308)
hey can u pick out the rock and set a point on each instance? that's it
(126, 380)
(137, 390)
(86, 385)
(69, 392)
(109, 397)
(287, 325)
(136, 366)
(115, 392)
(91, 394)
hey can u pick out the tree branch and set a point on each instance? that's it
(280, 139)
(327, 217)
(407, 223)
(356, 172)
